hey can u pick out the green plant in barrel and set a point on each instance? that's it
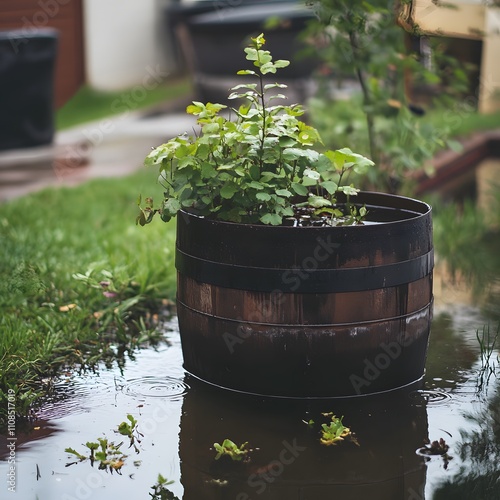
(257, 163)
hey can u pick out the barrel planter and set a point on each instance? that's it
(308, 311)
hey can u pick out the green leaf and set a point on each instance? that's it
(101, 456)
(283, 192)
(286, 141)
(209, 128)
(256, 185)
(330, 186)
(267, 68)
(251, 53)
(171, 206)
(228, 191)
(291, 154)
(334, 212)
(300, 189)
(124, 429)
(318, 202)
(202, 151)
(263, 196)
(207, 170)
(281, 63)
(270, 86)
(251, 86)
(195, 108)
(312, 174)
(272, 219)
(264, 57)
(349, 190)
(254, 172)
(74, 452)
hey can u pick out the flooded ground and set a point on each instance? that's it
(180, 418)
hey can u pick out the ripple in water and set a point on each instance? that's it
(155, 387)
(430, 397)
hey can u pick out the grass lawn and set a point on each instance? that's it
(78, 279)
(89, 104)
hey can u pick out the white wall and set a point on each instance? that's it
(122, 43)
(469, 19)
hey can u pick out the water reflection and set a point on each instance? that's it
(288, 461)
(479, 452)
(181, 418)
(453, 346)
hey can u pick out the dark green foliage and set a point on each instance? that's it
(254, 167)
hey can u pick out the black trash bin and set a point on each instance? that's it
(27, 61)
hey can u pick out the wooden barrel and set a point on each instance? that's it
(308, 311)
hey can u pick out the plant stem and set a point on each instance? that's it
(366, 97)
(263, 104)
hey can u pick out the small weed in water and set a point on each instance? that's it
(487, 340)
(160, 490)
(130, 430)
(334, 432)
(229, 449)
(436, 448)
(107, 453)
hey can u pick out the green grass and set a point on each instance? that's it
(77, 277)
(463, 123)
(89, 104)
(343, 122)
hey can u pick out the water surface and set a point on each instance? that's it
(180, 418)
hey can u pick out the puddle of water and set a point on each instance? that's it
(180, 418)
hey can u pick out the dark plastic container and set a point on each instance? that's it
(211, 37)
(27, 60)
(308, 311)
(219, 37)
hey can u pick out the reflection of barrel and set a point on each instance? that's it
(308, 311)
(290, 462)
